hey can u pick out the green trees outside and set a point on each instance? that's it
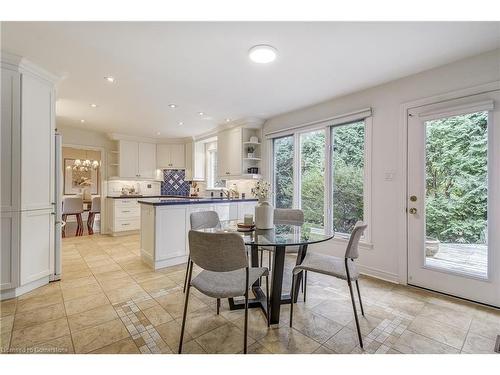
(456, 178)
(283, 172)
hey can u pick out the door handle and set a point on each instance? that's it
(412, 211)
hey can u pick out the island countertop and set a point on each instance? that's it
(170, 201)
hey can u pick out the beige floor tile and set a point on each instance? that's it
(68, 275)
(8, 307)
(201, 321)
(174, 303)
(5, 342)
(170, 333)
(147, 303)
(148, 276)
(61, 345)
(104, 269)
(225, 339)
(35, 303)
(135, 266)
(77, 283)
(106, 276)
(49, 290)
(191, 347)
(92, 338)
(38, 316)
(447, 315)
(32, 335)
(82, 304)
(157, 315)
(323, 350)
(283, 340)
(257, 323)
(92, 317)
(486, 328)
(158, 284)
(81, 291)
(439, 331)
(367, 323)
(404, 303)
(339, 311)
(127, 293)
(125, 346)
(478, 344)
(314, 326)
(343, 342)
(118, 283)
(413, 343)
(6, 324)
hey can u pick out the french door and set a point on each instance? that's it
(453, 202)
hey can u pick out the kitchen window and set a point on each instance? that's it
(324, 170)
(213, 182)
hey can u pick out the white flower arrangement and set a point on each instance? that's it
(262, 190)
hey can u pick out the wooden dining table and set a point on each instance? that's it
(283, 235)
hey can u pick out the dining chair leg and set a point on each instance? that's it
(186, 300)
(79, 227)
(304, 280)
(261, 257)
(90, 223)
(218, 306)
(245, 334)
(63, 232)
(359, 296)
(355, 312)
(270, 261)
(267, 302)
(292, 299)
(186, 277)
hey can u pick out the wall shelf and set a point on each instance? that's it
(256, 159)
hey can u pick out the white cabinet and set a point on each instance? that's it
(229, 153)
(171, 235)
(171, 155)
(137, 159)
(27, 175)
(124, 215)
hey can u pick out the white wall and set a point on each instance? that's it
(388, 209)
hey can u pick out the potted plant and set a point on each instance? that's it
(431, 246)
(251, 151)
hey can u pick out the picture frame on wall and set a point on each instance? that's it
(72, 179)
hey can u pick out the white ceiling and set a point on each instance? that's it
(203, 66)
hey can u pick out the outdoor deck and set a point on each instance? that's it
(468, 259)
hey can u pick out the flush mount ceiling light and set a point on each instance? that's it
(93, 105)
(228, 120)
(181, 123)
(158, 133)
(201, 113)
(82, 121)
(172, 105)
(110, 79)
(262, 54)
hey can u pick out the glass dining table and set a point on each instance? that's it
(283, 235)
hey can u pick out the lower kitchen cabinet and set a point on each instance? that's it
(124, 216)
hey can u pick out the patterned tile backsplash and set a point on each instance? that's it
(174, 182)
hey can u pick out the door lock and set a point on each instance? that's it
(413, 198)
(412, 211)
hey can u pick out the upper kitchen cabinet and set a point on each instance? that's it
(137, 159)
(195, 161)
(170, 156)
(229, 153)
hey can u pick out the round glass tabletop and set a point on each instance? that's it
(283, 234)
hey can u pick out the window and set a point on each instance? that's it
(312, 178)
(283, 176)
(347, 160)
(330, 187)
(213, 182)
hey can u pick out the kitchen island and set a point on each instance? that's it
(165, 225)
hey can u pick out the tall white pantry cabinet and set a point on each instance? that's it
(27, 175)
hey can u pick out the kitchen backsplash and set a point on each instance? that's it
(141, 187)
(174, 182)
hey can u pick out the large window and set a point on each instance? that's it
(322, 171)
(348, 159)
(283, 167)
(213, 182)
(312, 178)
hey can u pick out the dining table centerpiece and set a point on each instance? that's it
(264, 210)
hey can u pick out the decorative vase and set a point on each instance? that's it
(264, 215)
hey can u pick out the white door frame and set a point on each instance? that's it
(102, 179)
(403, 141)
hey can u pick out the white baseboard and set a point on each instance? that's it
(378, 274)
(16, 292)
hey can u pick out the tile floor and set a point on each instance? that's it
(110, 302)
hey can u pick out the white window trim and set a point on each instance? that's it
(295, 132)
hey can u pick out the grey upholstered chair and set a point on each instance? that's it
(202, 220)
(226, 274)
(285, 216)
(342, 268)
(95, 208)
(73, 206)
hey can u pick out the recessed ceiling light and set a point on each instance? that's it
(228, 120)
(172, 105)
(110, 79)
(262, 54)
(82, 121)
(158, 133)
(201, 113)
(93, 105)
(181, 123)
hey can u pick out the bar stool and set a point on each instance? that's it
(95, 208)
(73, 206)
